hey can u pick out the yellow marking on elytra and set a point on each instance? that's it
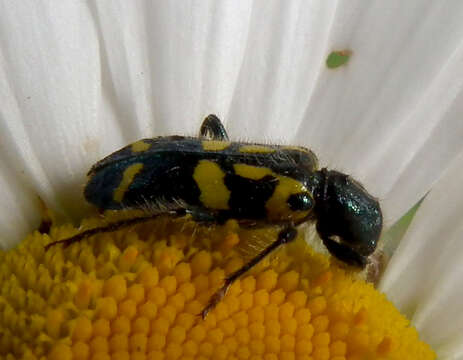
(215, 145)
(210, 179)
(140, 146)
(251, 172)
(297, 148)
(127, 178)
(256, 149)
(277, 206)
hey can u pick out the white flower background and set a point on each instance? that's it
(79, 80)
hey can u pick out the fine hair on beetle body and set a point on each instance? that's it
(213, 179)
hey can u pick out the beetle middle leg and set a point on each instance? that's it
(286, 235)
(213, 129)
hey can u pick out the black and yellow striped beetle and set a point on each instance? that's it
(213, 179)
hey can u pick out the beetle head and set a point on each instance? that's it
(349, 219)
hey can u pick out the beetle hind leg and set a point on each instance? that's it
(114, 226)
(197, 214)
(213, 129)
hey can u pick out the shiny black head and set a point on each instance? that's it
(349, 219)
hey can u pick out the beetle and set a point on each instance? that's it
(214, 180)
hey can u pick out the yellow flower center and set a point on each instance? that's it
(137, 293)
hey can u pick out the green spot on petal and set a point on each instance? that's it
(338, 58)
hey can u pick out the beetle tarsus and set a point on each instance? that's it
(216, 298)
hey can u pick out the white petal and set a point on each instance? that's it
(49, 82)
(389, 117)
(285, 52)
(425, 276)
(174, 62)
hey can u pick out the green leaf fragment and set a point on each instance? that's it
(392, 237)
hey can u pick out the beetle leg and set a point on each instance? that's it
(286, 235)
(345, 253)
(213, 129)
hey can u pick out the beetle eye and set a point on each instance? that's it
(301, 201)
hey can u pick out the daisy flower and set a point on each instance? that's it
(373, 88)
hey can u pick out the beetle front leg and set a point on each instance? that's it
(286, 235)
(345, 253)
